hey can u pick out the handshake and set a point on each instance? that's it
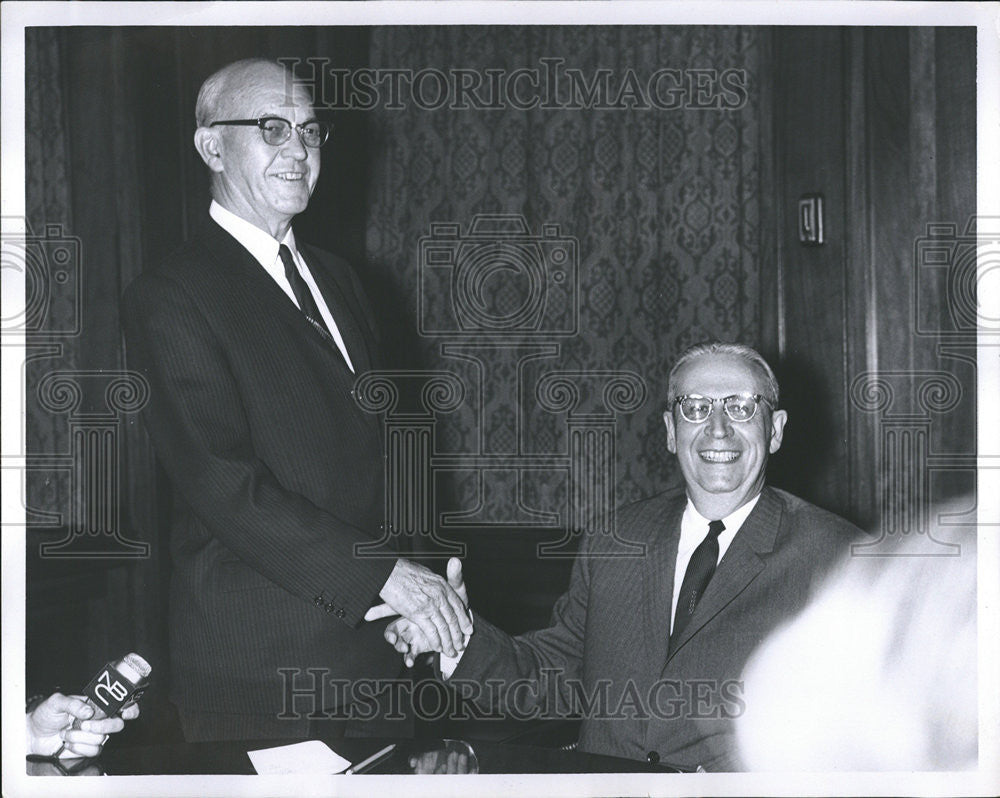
(434, 613)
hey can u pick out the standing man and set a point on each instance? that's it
(650, 649)
(251, 341)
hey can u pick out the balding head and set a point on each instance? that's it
(769, 389)
(226, 90)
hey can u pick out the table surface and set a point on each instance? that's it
(409, 756)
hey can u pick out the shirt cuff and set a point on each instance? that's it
(448, 664)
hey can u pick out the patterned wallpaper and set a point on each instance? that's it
(628, 232)
(52, 290)
(660, 203)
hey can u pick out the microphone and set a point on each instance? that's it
(118, 683)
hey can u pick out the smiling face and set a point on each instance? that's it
(264, 184)
(723, 462)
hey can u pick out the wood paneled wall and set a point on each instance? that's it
(871, 333)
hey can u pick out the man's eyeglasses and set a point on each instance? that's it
(276, 131)
(739, 407)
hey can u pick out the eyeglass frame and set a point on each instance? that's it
(757, 398)
(260, 121)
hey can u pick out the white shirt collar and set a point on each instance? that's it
(264, 248)
(694, 526)
(734, 520)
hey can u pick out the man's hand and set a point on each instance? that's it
(51, 732)
(407, 638)
(428, 602)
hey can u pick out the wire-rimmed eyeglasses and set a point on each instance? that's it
(276, 131)
(739, 407)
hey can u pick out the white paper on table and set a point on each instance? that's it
(312, 756)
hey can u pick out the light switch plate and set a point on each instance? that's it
(811, 220)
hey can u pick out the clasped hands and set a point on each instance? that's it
(433, 612)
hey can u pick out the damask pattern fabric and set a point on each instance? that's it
(663, 204)
(662, 207)
(51, 303)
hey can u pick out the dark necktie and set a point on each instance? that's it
(302, 293)
(696, 578)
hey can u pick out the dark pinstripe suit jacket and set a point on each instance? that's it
(608, 637)
(276, 474)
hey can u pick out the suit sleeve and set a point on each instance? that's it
(198, 426)
(534, 672)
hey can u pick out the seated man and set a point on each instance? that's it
(650, 649)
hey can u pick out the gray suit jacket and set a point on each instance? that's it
(605, 653)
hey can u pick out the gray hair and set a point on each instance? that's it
(748, 353)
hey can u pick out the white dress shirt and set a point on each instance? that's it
(694, 528)
(264, 249)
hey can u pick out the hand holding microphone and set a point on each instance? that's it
(116, 685)
(78, 726)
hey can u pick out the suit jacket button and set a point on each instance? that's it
(328, 606)
(653, 758)
(340, 613)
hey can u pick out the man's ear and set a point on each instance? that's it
(778, 419)
(668, 419)
(209, 145)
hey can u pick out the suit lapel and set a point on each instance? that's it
(658, 575)
(245, 273)
(740, 565)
